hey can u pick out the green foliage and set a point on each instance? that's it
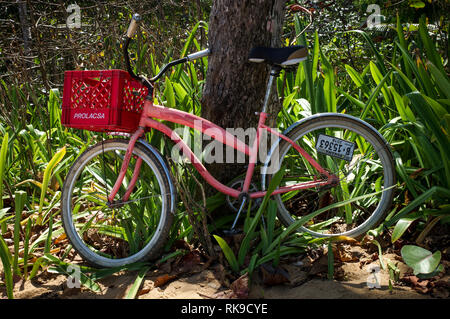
(229, 255)
(403, 93)
(35, 156)
(421, 260)
(412, 113)
(3, 151)
(19, 201)
(6, 258)
(137, 283)
(47, 174)
(400, 86)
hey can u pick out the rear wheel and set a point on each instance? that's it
(110, 235)
(357, 155)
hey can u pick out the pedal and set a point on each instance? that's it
(233, 232)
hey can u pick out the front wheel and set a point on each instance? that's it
(111, 235)
(357, 155)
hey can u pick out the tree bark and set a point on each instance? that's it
(235, 87)
(26, 31)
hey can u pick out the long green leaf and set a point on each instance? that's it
(5, 256)
(404, 110)
(377, 76)
(137, 283)
(245, 245)
(370, 102)
(328, 87)
(403, 45)
(441, 80)
(330, 259)
(316, 53)
(229, 255)
(420, 200)
(62, 267)
(402, 225)
(380, 253)
(380, 59)
(356, 78)
(47, 175)
(3, 150)
(191, 39)
(303, 220)
(169, 94)
(308, 67)
(404, 175)
(19, 202)
(430, 45)
(422, 107)
(26, 244)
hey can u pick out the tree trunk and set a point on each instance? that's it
(235, 87)
(26, 31)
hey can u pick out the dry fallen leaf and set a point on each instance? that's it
(343, 254)
(56, 250)
(345, 239)
(273, 276)
(240, 287)
(320, 266)
(191, 262)
(60, 239)
(162, 280)
(143, 291)
(227, 294)
(417, 284)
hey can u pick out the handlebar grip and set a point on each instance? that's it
(133, 25)
(199, 54)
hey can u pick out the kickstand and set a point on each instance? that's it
(233, 230)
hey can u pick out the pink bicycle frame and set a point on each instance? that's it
(151, 111)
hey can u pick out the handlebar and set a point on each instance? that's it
(190, 57)
(148, 83)
(130, 33)
(133, 25)
(198, 55)
(296, 8)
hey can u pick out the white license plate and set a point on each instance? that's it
(335, 147)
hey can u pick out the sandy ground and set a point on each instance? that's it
(301, 281)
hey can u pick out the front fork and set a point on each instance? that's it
(126, 161)
(124, 167)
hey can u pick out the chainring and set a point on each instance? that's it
(234, 203)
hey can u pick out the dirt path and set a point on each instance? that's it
(301, 281)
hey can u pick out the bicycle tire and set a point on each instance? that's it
(128, 232)
(307, 201)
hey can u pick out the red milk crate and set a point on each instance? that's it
(106, 100)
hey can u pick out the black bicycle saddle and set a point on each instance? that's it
(279, 56)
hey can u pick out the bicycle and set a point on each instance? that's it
(119, 198)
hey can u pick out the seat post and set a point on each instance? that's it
(274, 72)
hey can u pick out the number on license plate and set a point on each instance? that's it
(335, 147)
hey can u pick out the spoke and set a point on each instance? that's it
(352, 179)
(119, 204)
